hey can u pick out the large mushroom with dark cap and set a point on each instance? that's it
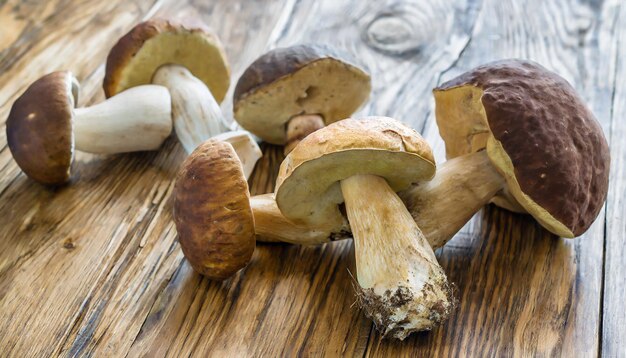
(363, 163)
(520, 136)
(290, 92)
(190, 61)
(44, 126)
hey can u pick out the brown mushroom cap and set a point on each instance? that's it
(308, 186)
(539, 134)
(156, 42)
(40, 128)
(212, 211)
(303, 79)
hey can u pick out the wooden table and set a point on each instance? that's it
(94, 268)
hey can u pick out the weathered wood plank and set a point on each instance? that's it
(614, 315)
(95, 268)
(521, 291)
(285, 309)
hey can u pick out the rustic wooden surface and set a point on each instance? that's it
(94, 268)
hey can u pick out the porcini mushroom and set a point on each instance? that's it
(363, 163)
(187, 59)
(290, 92)
(44, 126)
(212, 211)
(521, 135)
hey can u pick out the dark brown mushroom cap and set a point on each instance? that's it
(212, 211)
(547, 142)
(156, 42)
(39, 128)
(284, 61)
(302, 79)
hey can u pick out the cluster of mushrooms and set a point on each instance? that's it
(516, 135)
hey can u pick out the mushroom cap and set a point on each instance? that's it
(212, 211)
(308, 185)
(303, 79)
(156, 42)
(40, 128)
(538, 133)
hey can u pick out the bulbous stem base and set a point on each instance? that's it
(402, 287)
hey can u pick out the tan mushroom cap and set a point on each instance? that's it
(156, 42)
(307, 188)
(538, 133)
(212, 211)
(40, 128)
(303, 79)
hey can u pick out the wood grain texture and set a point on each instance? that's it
(94, 268)
(521, 291)
(614, 289)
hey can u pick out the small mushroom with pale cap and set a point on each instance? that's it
(290, 92)
(44, 127)
(516, 134)
(363, 163)
(212, 211)
(190, 61)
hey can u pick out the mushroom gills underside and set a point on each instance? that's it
(317, 200)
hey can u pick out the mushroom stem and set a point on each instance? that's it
(460, 188)
(195, 112)
(506, 200)
(402, 288)
(301, 126)
(246, 148)
(272, 226)
(134, 120)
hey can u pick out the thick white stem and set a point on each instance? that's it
(402, 287)
(137, 119)
(197, 116)
(460, 188)
(301, 126)
(246, 148)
